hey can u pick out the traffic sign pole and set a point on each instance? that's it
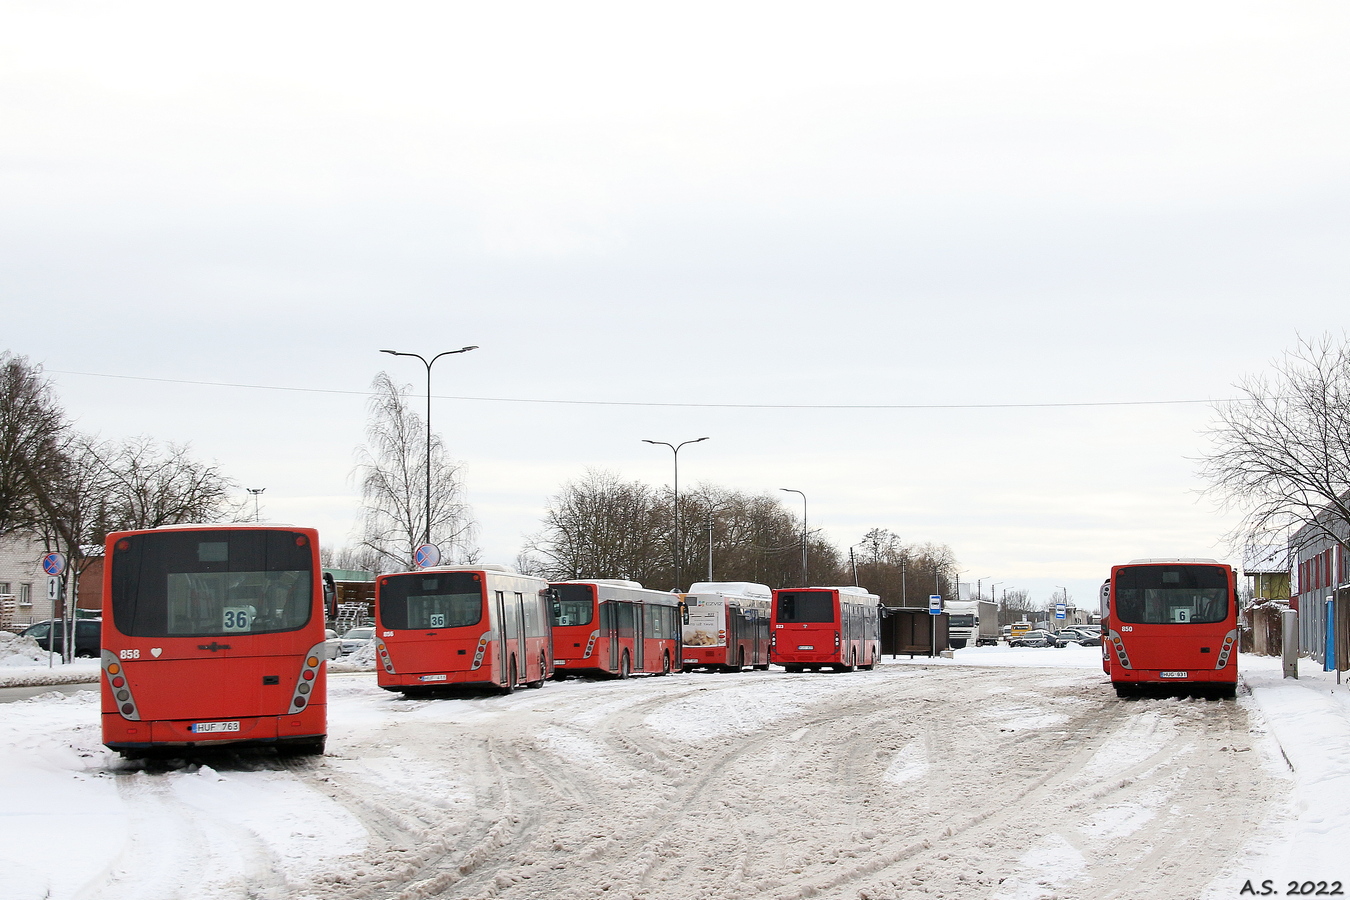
(934, 610)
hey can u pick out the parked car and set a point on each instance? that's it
(50, 635)
(356, 638)
(1034, 638)
(332, 644)
(1078, 635)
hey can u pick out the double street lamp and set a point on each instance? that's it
(429, 364)
(675, 449)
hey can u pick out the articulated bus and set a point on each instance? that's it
(1171, 622)
(480, 626)
(726, 626)
(213, 634)
(606, 626)
(813, 628)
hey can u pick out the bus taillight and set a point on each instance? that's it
(121, 689)
(308, 672)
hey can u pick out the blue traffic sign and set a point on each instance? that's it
(427, 556)
(53, 563)
(935, 604)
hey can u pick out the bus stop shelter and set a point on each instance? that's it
(910, 630)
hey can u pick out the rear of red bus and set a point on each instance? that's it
(579, 647)
(213, 635)
(614, 627)
(444, 627)
(1173, 623)
(805, 630)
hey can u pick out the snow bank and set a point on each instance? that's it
(23, 664)
(16, 650)
(360, 660)
(1309, 722)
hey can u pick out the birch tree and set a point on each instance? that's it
(391, 469)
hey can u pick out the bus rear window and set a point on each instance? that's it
(805, 606)
(431, 600)
(575, 604)
(1171, 595)
(211, 584)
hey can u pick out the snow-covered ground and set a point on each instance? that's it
(1008, 774)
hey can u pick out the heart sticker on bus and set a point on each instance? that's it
(156, 651)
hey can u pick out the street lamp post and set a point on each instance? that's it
(675, 450)
(805, 582)
(255, 492)
(429, 364)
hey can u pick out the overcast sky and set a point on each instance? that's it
(928, 205)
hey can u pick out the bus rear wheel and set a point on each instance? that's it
(510, 678)
(665, 663)
(625, 667)
(792, 668)
(1125, 690)
(543, 673)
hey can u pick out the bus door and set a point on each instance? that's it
(735, 633)
(622, 637)
(508, 615)
(609, 633)
(757, 643)
(521, 645)
(635, 620)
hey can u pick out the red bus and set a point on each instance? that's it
(213, 634)
(1171, 622)
(481, 626)
(838, 627)
(605, 626)
(726, 626)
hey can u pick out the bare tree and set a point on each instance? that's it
(902, 574)
(1281, 455)
(147, 485)
(392, 473)
(1016, 606)
(33, 430)
(599, 526)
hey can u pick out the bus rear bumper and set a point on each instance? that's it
(307, 726)
(402, 680)
(1227, 675)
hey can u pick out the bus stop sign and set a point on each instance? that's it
(935, 604)
(1059, 610)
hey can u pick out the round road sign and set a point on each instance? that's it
(427, 556)
(54, 563)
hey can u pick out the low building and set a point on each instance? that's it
(23, 584)
(1320, 563)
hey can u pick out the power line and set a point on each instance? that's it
(639, 403)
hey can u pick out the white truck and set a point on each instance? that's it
(972, 622)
